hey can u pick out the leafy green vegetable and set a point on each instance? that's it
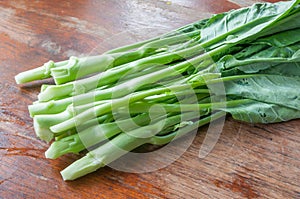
(244, 62)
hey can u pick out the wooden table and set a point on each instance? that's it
(249, 161)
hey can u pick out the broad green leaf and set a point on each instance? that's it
(263, 54)
(290, 22)
(229, 65)
(291, 69)
(260, 112)
(285, 69)
(275, 89)
(281, 39)
(239, 25)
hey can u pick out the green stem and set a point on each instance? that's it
(126, 142)
(78, 68)
(121, 102)
(161, 140)
(38, 73)
(185, 29)
(141, 107)
(118, 146)
(113, 105)
(93, 135)
(57, 106)
(42, 123)
(122, 89)
(44, 72)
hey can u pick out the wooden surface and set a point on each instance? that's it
(249, 161)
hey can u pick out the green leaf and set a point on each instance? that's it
(285, 69)
(238, 25)
(260, 112)
(273, 89)
(263, 54)
(290, 22)
(281, 39)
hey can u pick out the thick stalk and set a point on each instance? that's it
(122, 144)
(38, 73)
(141, 107)
(124, 101)
(81, 67)
(122, 89)
(110, 76)
(93, 135)
(165, 139)
(114, 104)
(73, 144)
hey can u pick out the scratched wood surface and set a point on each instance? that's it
(248, 161)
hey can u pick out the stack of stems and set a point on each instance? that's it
(161, 89)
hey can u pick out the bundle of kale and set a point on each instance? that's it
(243, 62)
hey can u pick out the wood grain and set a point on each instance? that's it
(249, 161)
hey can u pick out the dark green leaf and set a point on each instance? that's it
(275, 89)
(260, 112)
(238, 25)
